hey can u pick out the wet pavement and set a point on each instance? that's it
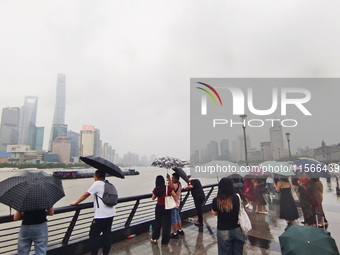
(262, 239)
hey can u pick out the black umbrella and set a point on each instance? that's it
(103, 164)
(28, 191)
(181, 173)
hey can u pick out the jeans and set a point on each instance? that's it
(98, 226)
(38, 234)
(175, 218)
(230, 242)
(162, 220)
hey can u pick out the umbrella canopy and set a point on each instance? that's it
(307, 240)
(275, 167)
(28, 191)
(312, 167)
(257, 172)
(181, 173)
(167, 162)
(224, 168)
(103, 164)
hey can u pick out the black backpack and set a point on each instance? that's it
(110, 195)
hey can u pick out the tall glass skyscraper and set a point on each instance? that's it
(27, 122)
(9, 127)
(59, 110)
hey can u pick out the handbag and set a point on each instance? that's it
(243, 218)
(169, 200)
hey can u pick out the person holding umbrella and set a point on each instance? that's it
(103, 214)
(162, 215)
(198, 195)
(32, 194)
(34, 229)
(176, 221)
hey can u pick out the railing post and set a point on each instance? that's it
(184, 201)
(128, 221)
(208, 195)
(70, 228)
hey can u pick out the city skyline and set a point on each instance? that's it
(128, 72)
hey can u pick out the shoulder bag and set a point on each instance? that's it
(243, 218)
(169, 200)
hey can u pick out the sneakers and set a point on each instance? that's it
(180, 232)
(197, 223)
(173, 235)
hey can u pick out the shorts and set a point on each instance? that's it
(175, 218)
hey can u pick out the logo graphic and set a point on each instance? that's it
(204, 98)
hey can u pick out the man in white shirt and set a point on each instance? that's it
(103, 214)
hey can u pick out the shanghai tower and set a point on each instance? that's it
(58, 125)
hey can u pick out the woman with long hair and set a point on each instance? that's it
(288, 210)
(306, 197)
(226, 206)
(162, 216)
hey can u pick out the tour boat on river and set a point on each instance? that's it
(75, 174)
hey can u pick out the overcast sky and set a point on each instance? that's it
(128, 64)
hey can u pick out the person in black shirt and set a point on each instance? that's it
(33, 229)
(226, 206)
(198, 195)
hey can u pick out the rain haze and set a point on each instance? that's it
(128, 64)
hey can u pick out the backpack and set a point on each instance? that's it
(110, 195)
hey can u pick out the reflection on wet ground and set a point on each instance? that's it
(262, 239)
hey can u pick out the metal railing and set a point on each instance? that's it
(69, 227)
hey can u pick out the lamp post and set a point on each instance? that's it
(243, 117)
(288, 140)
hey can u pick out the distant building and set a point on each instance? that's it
(27, 120)
(212, 149)
(17, 152)
(90, 143)
(306, 152)
(39, 138)
(75, 145)
(4, 157)
(97, 146)
(224, 150)
(266, 151)
(49, 157)
(108, 153)
(276, 141)
(241, 147)
(328, 154)
(62, 146)
(59, 108)
(9, 127)
(235, 154)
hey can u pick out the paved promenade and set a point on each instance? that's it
(262, 239)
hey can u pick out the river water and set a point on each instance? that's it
(130, 186)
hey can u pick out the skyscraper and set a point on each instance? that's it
(9, 127)
(75, 144)
(59, 109)
(27, 122)
(276, 141)
(224, 147)
(87, 140)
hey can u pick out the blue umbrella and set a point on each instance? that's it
(312, 167)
